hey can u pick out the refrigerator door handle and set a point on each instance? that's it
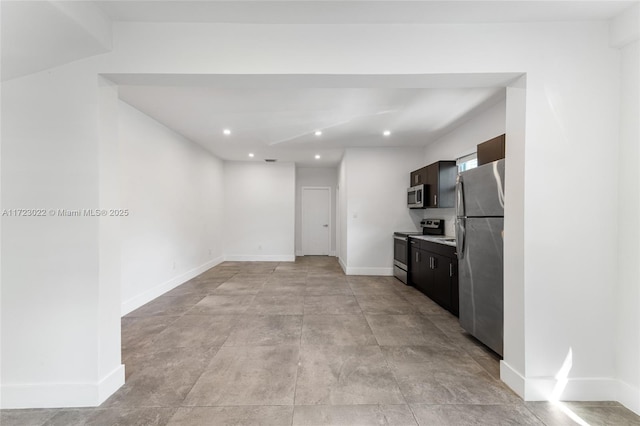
(460, 236)
(459, 197)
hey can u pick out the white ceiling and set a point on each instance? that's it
(276, 116)
(280, 123)
(359, 11)
(277, 120)
(37, 35)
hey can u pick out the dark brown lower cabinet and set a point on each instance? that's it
(455, 298)
(420, 272)
(434, 271)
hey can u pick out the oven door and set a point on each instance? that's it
(400, 252)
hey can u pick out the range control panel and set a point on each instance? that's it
(432, 226)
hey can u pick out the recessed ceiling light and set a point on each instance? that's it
(318, 132)
(317, 156)
(226, 132)
(251, 154)
(386, 132)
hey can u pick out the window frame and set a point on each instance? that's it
(467, 162)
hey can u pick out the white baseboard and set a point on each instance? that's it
(629, 396)
(146, 297)
(512, 378)
(384, 272)
(381, 272)
(575, 389)
(342, 265)
(111, 383)
(549, 388)
(59, 395)
(261, 258)
(301, 253)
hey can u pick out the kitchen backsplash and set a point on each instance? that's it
(449, 216)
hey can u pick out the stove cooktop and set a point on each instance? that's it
(405, 234)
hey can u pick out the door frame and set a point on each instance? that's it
(338, 234)
(302, 229)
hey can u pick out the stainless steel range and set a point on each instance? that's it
(401, 254)
(401, 246)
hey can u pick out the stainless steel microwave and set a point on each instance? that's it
(415, 197)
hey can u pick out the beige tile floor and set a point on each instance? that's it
(300, 343)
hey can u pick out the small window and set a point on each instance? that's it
(467, 162)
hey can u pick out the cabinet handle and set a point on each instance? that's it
(431, 262)
(417, 255)
(451, 270)
(435, 199)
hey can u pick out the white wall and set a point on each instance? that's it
(341, 214)
(315, 176)
(463, 139)
(109, 242)
(60, 314)
(625, 35)
(50, 156)
(259, 211)
(556, 272)
(377, 181)
(173, 190)
(628, 290)
(514, 258)
(460, 142)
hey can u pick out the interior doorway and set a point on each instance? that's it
(316, 221)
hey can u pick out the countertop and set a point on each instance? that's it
(440, 239)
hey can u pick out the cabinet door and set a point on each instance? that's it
(433, 181)
(491, 150)
(441, 287)
(447, 173)
(420, 271)
(455, 299)
(419, 177)
(415, 178)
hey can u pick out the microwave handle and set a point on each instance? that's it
(419, 196)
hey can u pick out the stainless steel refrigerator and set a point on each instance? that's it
(479, 235)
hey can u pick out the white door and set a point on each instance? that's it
(316, 221)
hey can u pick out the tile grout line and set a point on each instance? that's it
(444, 325)
(295, 386)
(203, 370)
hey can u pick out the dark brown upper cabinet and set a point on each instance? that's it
(419, 177)
(491, 150)
(440, 183)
